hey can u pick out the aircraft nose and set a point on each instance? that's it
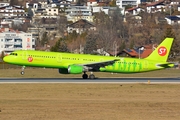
(6, 59)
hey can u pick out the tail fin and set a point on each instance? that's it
(161, 53)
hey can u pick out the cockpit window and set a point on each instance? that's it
(14, 54)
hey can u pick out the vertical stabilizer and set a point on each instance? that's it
(161, 53)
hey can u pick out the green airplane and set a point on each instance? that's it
(68, 63)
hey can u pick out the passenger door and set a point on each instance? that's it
(24, 55)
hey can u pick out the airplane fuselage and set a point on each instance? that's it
(63, 60)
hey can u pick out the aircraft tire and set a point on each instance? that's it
(92, 76)
(84, 76)
(22, 72)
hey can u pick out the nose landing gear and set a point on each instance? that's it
(22, 71)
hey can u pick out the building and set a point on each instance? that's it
(134, 10)
(173, 20)
(123, 3)
(11, 40)
(80, 26)
(76, 13)
(36, 32)
(12, 11)
(157, 6)
(92, 3)
(42, 9)
(2, 4)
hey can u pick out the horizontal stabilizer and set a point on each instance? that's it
(166, 65)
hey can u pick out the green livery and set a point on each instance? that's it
(69, 63)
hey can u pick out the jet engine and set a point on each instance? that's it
(72, 69)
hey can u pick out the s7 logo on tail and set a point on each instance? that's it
(162, 51)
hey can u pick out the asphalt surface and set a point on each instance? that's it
(97, 80)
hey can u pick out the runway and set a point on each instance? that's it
(98, 80)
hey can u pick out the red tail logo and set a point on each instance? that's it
(162, 51)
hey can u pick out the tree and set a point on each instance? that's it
(110, 28)
(169, 32)
(113, 3)
(175, 46)
(60, 46)
(30, 12)
(80, 2)
(147, 28)
(90, 45)
(104, 30)
(61, 25)
(44, 39)
(14, 2)
(122, 46)
(2, 55)
(20, 26)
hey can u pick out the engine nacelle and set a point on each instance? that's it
(72, 69)
(63, 71)
(75, 69)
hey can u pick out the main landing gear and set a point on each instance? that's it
(91, 76)
(22, 71)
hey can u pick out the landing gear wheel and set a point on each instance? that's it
(84, 76)
(22, 72)
(92, 76)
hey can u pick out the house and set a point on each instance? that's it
(42, 9)
(33, 4)
(152, 7)
(51, 11)
(106, 9)
(136, 20)
(63, 4)
(2, 4)
(12, 11)
(175, 2)
(50, 24)
(36, 32)
(91, 3)
(8, 22)
(80, 26)
(134, 10)
(178, 7)
(172, 20)
(123, 3)
(75, 13)
(156, 6)
(141, 52)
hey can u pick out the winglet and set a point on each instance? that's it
(161, 53)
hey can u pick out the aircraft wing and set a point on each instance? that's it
(96, 65)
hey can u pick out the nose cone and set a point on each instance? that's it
(6, 59)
